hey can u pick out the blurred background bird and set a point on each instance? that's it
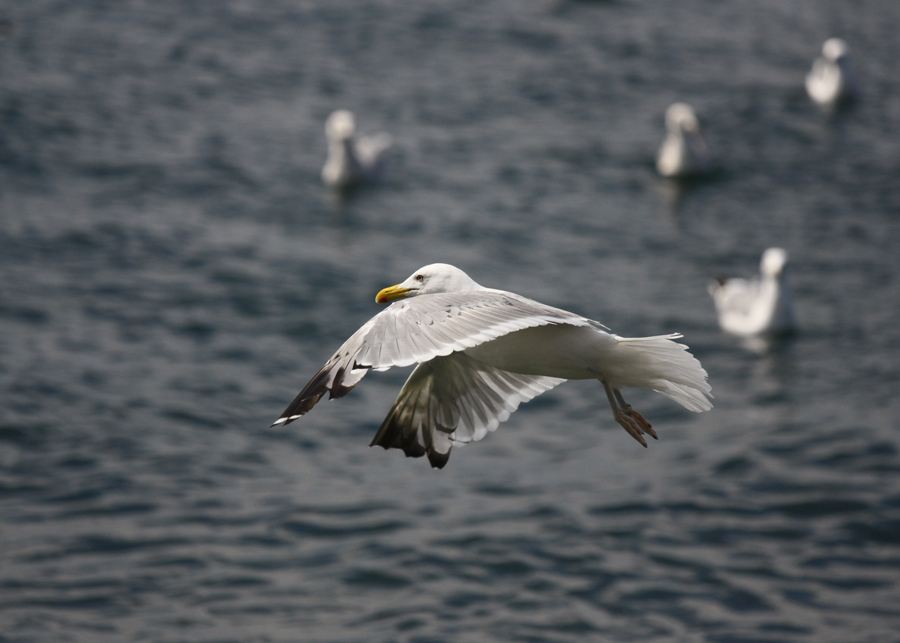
(758, 306)
(352, 161)
(832, 80)
(683, 153)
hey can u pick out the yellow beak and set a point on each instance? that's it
(390, 294)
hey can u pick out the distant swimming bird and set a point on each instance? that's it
(352, 161)
(684, 153)
(481, 352)
(832, 79)
(758, 306)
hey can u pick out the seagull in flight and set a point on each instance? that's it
(481, 352)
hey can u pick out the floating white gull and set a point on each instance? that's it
(832, 79)
(481, 352)
(352, 161)
(757, 306)
(683, 153)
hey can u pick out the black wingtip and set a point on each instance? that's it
(435, 459)
(284, 420)
(390, 435)
(306, 399)
(438, 460)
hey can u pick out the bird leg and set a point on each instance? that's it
(636, 415)
(632, 421)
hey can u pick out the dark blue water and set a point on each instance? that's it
(172, 272)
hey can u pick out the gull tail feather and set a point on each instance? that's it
(667, 367)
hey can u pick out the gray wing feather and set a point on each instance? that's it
(454, 399)
(420, 329)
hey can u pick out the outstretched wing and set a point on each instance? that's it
(454, 399)
(421, 328)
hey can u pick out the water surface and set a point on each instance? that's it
(172, 272)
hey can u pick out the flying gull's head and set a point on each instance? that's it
(431, 279)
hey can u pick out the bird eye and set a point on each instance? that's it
(420, 278)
